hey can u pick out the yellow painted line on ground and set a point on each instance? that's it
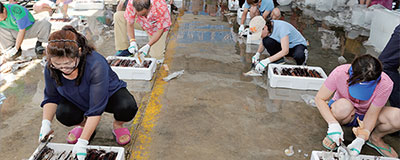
(147, 120)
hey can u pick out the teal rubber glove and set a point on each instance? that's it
(260, 67)
(80, 149)
(256, 58)
(145, 49)
(45, 129)
(133, 47)
(356, 146)
(335, 132)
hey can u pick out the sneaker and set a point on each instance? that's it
(39, 50)
(124, 53)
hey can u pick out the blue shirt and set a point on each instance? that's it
(282, 29)
(390, 56)
(266, 5)
(98, 84)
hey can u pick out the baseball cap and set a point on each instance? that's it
(256, 26)
(363, 90)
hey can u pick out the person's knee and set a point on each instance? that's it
(269, 42)
(392, 117)
(44, 24)
(68, 118)
(276, 13)
(126, 110)
(342, 108)
(254, 11)
(36, 8)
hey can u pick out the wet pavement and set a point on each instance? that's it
(212, 111)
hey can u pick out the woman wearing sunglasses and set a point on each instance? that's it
(360, 91)
(79, 87)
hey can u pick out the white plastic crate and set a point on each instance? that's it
(318, 155)
(178, 3)
(239, 17)
(61, 147)
(132, 72)
(58, 25)
(233, 5)
(382, 26)
(89, 4)
(295, 82)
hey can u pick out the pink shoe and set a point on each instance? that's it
(118, 133)
(76, 132)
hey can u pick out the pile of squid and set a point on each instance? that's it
(47, 153)
(60, 19)
(298, 71)
(127, 63)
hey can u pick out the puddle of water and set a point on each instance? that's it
(327, 43)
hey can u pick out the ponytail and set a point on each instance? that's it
(365, 68)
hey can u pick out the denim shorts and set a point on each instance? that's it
(354, 122)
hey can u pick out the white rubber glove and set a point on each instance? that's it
(145, 49)
(80, 149)
(45, 129)
(355, 146)
(241, 29)
(335, 132)
(260, 67)
(10, 52)
(133, 47)
(256, 58)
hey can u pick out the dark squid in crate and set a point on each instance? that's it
(297, 72)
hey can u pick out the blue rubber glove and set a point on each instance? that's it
(80, 149)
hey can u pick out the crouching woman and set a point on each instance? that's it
(79, 87)
(360, 91)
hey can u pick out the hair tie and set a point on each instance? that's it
(62, 40)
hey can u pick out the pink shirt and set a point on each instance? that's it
(157, 19)
(337, 81)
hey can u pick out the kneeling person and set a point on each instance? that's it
(280, 39)
(16, 23)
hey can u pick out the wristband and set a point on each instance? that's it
(132, 39)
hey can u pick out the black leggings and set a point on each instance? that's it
(298, 52)
(121, 103)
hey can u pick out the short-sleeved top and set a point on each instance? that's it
(98, 84)
(18, 17)
(390, 56)
(337, 82)
(266, 5)
(157, 19)
(282, 29)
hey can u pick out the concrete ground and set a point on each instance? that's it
(211, 112)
